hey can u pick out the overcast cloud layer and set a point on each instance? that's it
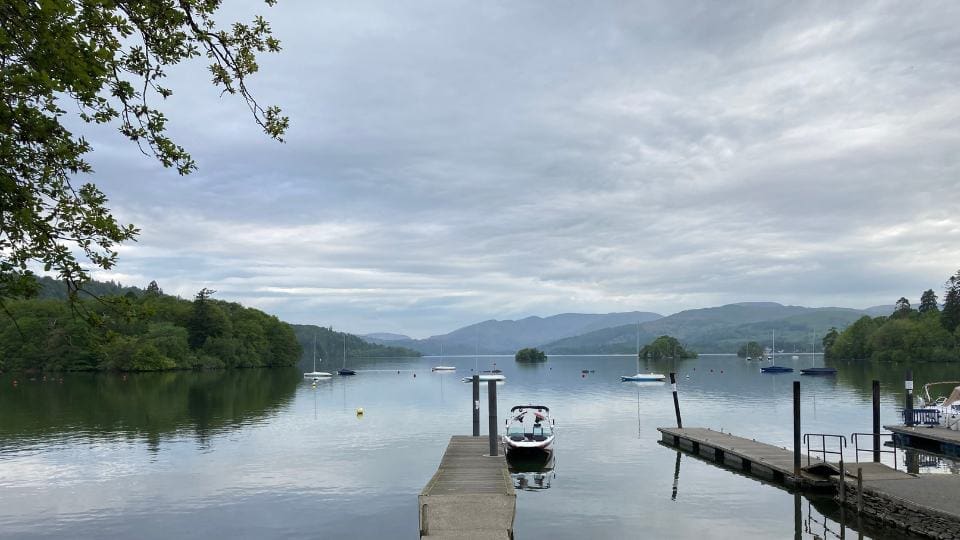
(448, 163)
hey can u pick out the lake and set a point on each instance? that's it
(263, 454)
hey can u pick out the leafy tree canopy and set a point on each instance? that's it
(105, 62)
(665, 347)
(751, 349)
(530, 355)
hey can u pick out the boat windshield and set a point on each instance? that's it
(529, 424)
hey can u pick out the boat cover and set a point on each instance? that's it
(954, 397)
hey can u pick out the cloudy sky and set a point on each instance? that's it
(449, 162)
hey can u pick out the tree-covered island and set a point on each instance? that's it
(530, 354)
(665, 347)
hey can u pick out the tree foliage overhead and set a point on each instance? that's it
(102, 62)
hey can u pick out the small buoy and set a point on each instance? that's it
(359, 411)
(583, 375)
(414, 375)
(398, 372)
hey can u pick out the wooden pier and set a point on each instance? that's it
(470, 496)
(935, 439)
(754, 458)
(923, 504)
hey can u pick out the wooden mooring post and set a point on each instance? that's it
(876, 421)
(492, 415)
(476, 405)
(796, 428)
(676, 402)
(908, 398)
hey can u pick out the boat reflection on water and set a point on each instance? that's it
(533, 474)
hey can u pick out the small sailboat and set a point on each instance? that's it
(529, 433)
(773, 368)
(817, 370)
(642, 376)
(344, 370)
(443, 368)
(316, 375)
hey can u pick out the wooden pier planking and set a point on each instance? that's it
(760, 459)
(470, 496)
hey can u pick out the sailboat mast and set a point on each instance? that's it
(314, 352)
(344, 351)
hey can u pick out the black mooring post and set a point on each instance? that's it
(476, 405)
(492, 407)
(876, 421)
(796, 429)
(908, 398)
(676, 402)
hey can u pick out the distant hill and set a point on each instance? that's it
(879, 311)
(717, 329)
(330, 346)
(385, 336)
(53, 288)
(506, 337)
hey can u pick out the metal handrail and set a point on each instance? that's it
(926, 417)
(841, 443)
(856, 446)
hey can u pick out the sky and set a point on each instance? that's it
(451, 162)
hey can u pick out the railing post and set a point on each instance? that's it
(876, 421)
(796, 428)
(492, 408)
(908, 398)
(676, 402)
(476, 405)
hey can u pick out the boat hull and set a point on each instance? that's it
(317, 375)
(776, 369)
(650, 377)
(497, 378)
(819, 371)
(346, 372)
(443, 368)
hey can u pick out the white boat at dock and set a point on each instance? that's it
(529, 433)
(486, 377)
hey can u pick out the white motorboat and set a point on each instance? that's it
(530, 432)
(487, 377)
(443, 368)
(948, 407)
(316, 375)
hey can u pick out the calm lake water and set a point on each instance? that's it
(262, 454)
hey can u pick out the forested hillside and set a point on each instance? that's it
(141, 331)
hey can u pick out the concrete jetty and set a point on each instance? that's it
(471, 495)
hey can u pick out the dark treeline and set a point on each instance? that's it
(141, 330)
(923, 333)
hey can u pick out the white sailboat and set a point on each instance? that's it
(443, 368)
(642, 376)
(316, 375)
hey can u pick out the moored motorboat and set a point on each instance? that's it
(656, 377)
(487, 377)
(948, 407)
(530, 432)
(443, 368)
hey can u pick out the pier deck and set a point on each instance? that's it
(938, 439)
(756, 458)
(470, 496)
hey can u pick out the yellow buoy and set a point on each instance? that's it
(359, 411)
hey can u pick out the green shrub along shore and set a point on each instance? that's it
(927, 333)
(141, 330)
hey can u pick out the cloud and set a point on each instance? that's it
(448, 163)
